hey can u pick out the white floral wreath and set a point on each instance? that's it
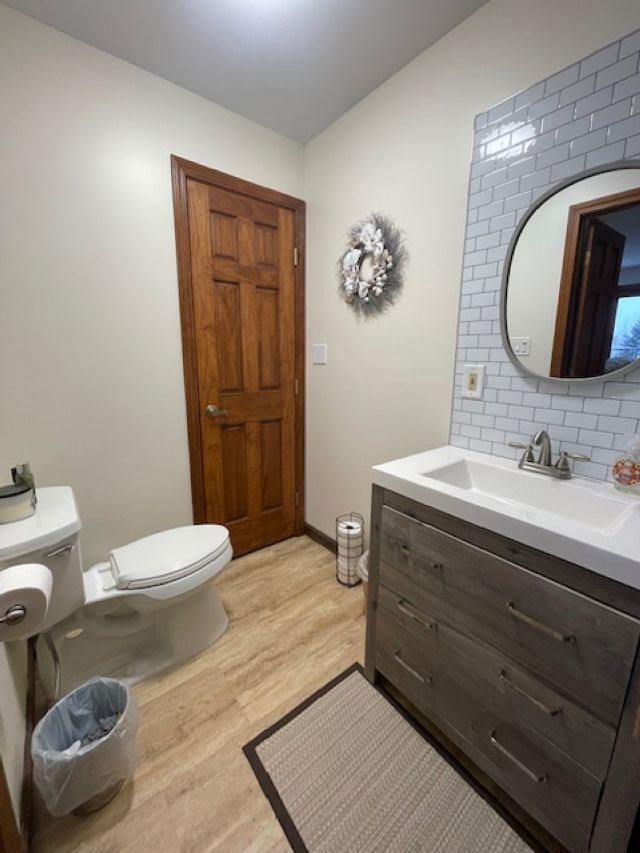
(366, 265)
(370, 270)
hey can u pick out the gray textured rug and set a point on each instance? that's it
(347, 772)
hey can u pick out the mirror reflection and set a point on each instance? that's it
(573, 287)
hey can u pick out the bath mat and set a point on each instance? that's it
(347, 771)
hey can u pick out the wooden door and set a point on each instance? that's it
(244, 340)
(597, 300)
(589, 290)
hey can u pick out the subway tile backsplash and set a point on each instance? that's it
(584, 116)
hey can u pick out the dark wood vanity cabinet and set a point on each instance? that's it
(525, 663)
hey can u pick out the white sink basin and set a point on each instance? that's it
(585, 522)
(517, 488)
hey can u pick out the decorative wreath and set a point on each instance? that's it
(370, 269)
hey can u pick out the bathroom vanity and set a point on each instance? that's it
(504, 612)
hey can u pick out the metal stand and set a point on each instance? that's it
(350, 541)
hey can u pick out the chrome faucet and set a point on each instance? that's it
(541, 439)
(544, 463)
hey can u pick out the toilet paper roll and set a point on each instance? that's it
(27, 586)
(350, 529)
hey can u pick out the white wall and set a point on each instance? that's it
(13, 690)
(94, 394)
(534, 278)
(406, 149)
(91, 388)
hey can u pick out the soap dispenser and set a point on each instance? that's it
(626, 469)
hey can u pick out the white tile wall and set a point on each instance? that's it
(584, 116)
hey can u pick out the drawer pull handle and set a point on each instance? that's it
(410, 669)
(533, 776)
(403, 609)
(550, 632)
(551, 712)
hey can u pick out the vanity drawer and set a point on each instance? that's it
(582, 647)
(460, 664)
(519, 746)
(456, 682)
(406, 650)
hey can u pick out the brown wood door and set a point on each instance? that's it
(596, 300)
(589, 287)
(243, 288)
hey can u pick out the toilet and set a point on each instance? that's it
(150, 606)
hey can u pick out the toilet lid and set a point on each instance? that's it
(167, 556)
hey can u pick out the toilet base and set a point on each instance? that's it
(130, 645)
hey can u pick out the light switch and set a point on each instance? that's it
(319, 353)
(473, 380)
(521, 346)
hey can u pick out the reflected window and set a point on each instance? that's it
(625, 346)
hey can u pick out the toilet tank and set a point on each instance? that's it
(50, 537)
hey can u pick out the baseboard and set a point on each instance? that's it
(321, 538)
(26, 806)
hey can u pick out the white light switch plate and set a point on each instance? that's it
(521, 346)
(319, 353)
(473, 380)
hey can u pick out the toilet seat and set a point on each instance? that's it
(167, 556)
(160, 568)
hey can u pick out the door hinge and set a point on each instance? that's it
(295, 256)
(587, 258)
(296, 387)
(297, 498)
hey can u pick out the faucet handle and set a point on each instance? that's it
(562, 463)
(528, 450)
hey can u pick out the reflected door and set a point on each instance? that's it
(243, 289)
(596, 301)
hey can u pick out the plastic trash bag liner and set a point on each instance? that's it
(362, 569)
(85, 744)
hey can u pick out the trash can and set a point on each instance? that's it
(363, 573)
(83, 749)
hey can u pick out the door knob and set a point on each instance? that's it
(214, 412)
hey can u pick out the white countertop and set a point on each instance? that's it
(613, 550)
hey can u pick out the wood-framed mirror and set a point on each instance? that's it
(570, 304)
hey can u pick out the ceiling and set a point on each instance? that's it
(627, 222)
(291, 65)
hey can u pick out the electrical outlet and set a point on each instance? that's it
(473, 380)
(521, 346)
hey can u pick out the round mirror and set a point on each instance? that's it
(571, 286)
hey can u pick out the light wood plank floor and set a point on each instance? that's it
(292, 628)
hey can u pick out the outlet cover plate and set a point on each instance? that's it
(473, 381)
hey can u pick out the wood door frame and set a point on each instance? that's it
(577, 213)
(181, 171)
